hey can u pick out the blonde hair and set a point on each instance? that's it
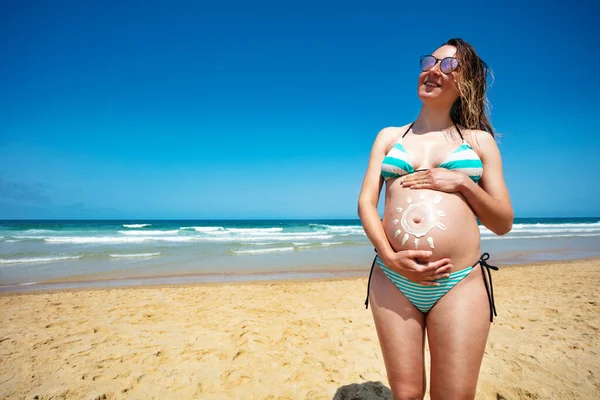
(471, 109)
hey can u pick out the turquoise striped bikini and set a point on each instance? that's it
(464, 159)
(397, 163)
(423, 297)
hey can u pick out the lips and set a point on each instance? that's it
(431, 84)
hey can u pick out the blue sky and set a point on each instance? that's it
(269, 109)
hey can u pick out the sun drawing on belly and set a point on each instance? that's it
(419, 219)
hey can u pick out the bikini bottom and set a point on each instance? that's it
(424, 297)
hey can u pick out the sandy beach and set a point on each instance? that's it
(284, 340)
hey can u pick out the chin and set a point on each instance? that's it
(434, 97)
(423, 95)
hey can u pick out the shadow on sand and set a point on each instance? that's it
(363, 391)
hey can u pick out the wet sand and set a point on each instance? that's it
(283, 340)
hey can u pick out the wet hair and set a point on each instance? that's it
(471, 109)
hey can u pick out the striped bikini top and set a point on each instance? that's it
(464, 159)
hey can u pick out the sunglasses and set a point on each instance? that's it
(447, 64)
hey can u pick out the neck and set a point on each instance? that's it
(433, 118)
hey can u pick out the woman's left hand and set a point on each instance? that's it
(439, 179)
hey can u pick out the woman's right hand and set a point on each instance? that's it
(415, 266)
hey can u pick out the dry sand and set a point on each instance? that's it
(283, 340)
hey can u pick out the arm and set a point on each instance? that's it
(490, 200)
(412, 264)
(369, 195)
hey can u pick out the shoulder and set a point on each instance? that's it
(390, 135)
(483, 142)
(392, 130)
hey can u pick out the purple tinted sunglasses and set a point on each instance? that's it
(447, 64)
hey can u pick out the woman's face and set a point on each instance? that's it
(436, 87)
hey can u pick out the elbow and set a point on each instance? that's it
(503, 230)
(361, 208)
(505, 227)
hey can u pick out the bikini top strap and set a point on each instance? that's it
(455, 125)
(459, 132)
(411, 125)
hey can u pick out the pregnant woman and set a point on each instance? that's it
(441, 172)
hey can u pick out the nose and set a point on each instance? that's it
(437, 68)
(433, 74)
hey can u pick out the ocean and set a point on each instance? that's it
(51, 254)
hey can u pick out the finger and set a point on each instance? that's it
(427, 283)
(410, 183)
(420, 180)
(432, 269)
(418, 173)
(435, 277)
(444, 270)
(421, 186)
(422, 255)
(438, 264)
(413, 177)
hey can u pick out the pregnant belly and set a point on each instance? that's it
(442, 223)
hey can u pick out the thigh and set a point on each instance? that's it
(457, 331)
(401, 331)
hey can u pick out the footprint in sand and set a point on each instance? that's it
(550, 312)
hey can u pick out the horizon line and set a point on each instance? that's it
(229, 219)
